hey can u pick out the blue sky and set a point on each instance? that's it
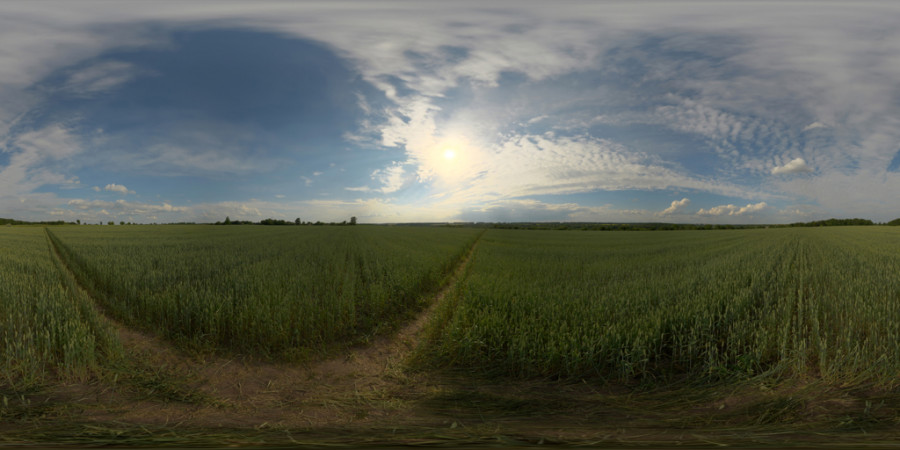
(684, 112)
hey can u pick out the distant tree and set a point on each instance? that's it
(227, 220)
(353, 220)
(121, 222)
(297, 221)
(110, 223)
(895, 222)
(271, 221)
(78, 221)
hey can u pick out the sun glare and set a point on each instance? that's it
(449, 159)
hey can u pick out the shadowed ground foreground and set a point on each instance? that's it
(398, 408)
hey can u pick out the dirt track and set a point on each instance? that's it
(364, 384)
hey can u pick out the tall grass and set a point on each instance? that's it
(48, 329)
(800, 302)
(272, 291)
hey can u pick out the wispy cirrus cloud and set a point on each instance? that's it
(36, 159)
(98, 78)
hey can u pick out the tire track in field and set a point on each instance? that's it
(129, 337)
(389, 350)
(148, 356)
(365, 383)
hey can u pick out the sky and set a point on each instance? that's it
(489, 111)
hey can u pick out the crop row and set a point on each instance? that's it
(48, 328)
(279, 292)
(822, 302)
(810, 302)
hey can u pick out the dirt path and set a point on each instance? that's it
(133, 340)
(367, 383)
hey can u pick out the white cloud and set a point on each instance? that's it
(692, 116)
(118, 188)
(796, 165)
(814, 125)
(35, 160)
(51, 142)
(675, 206)
(392, 178)
(732, 210)
(315, 174)
(279, 195)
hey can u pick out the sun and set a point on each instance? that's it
(449, 159)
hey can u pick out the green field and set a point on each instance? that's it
(273, 292)
(692, 312)
(48, 329)
(788, 302)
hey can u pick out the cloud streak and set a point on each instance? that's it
(116, 188)
(732, 210)
(796, 165)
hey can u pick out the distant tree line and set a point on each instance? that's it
(834, 223)
(57, 222)
(23, 222)
(271, 221)
(652, 226)
(586, 226)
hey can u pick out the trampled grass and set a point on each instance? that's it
(48, 329)
(268, 291)
(623, 306)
